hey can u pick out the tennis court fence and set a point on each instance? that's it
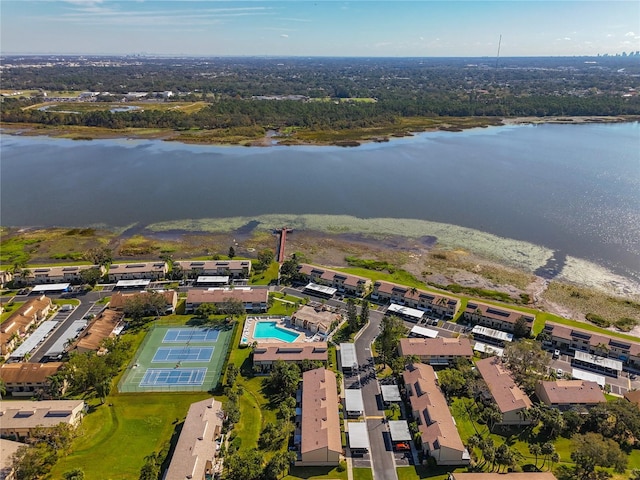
(125, 385)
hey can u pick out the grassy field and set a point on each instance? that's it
(116, 436)
(49, 246)
(266, 277)
(432, 473)
(587, 300)
(316, 473)
(186, 107)
(362, 474)
(10, 310)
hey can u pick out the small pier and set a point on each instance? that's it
(280, 253)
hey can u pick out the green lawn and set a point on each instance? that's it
(254, 407)
(10, 310)
(115, 438)
(362, 474)
(399, 276)
(434, 473)
(316, 473)
(266, 277)
(67, 301)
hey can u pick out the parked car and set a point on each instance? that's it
(556, 354)
(560, 372)
(402, 446)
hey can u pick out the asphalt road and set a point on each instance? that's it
(382, 458)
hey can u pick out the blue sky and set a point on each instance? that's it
(320, 27)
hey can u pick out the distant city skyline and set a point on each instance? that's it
(320, 28)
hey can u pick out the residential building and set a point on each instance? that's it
(319, 319)
(442, 305)
(633, 396)
(253, 299)
(195, 452)
(567, 394)
(571, 340)
(17, 326)
(28, 379)
(266, 354)
(438, 433)
(8, 449)
(230, 268)
(106, 325)
(65, 274)
(436, 351)
(499, 318)
(320, 443)
(512, 402)
(343, 282)
(20, 417)
(137, 271)
(119, 300)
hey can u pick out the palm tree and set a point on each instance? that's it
(25, 273)
(535, 449)
(474, 441)
(547, 449)
(603, 349)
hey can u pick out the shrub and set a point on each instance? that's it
(626, 324)
(598, 320)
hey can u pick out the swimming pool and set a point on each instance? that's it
(269, 330)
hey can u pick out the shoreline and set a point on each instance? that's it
(275, 139)
(425, 259)
(387, 236)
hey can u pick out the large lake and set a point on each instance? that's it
(574, 189)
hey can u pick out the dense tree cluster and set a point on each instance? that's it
(89, 373)
(401, 88)
(45, 446)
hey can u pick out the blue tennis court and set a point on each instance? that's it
(173, 376)
(183, 354)
(186, 335)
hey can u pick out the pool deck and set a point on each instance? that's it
(282, 322)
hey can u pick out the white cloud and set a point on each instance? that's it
(630, 34)
(567, 38)
(284, 35)
(422, 38)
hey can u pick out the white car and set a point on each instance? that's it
(559, 372)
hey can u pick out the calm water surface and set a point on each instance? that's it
(572, 188)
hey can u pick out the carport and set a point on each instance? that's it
(320, 290)
(411, 314)
(348, 359)
(390, 394)
(141, 284)
(399, 431)
(353, 403)
(53, 287)
(358, 437)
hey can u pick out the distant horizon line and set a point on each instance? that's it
(184, 55)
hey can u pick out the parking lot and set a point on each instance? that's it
(619, 386)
